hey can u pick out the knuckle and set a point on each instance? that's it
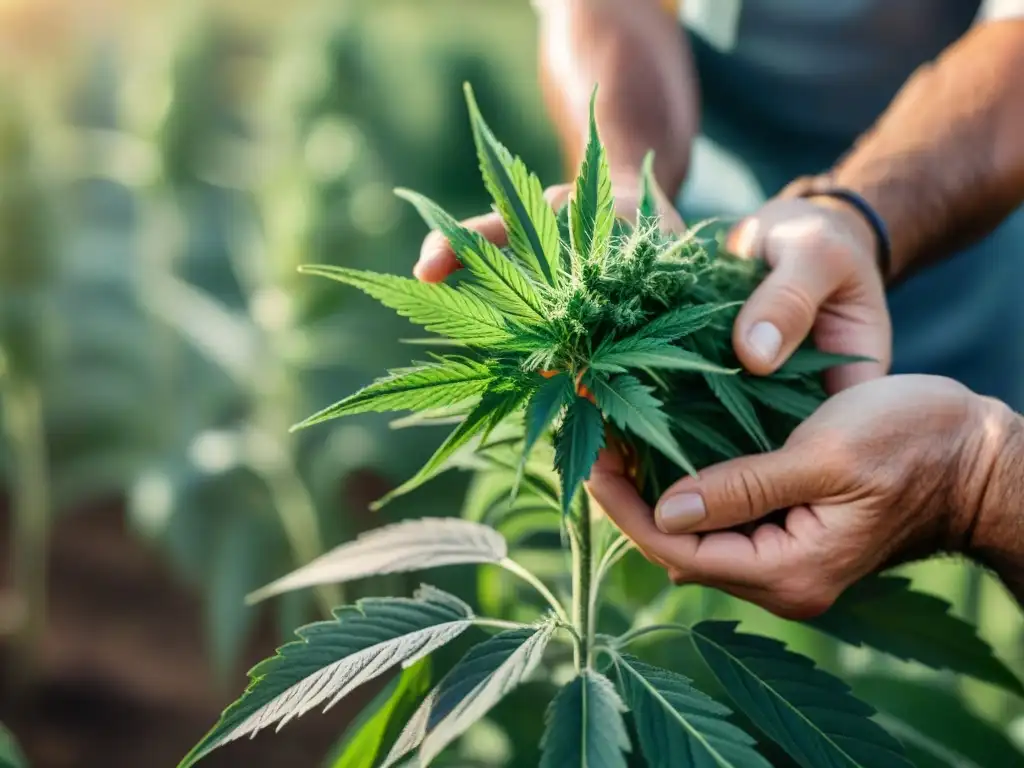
(796, 303)
(749, 492)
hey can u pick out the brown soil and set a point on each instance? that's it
(122, 680)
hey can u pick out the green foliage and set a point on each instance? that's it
(10, 754)
(585, 330)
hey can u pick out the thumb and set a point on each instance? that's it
(740, 491)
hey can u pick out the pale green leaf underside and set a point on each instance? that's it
(585, 726)
(807, 711)
(438, 307)
(502, 279)
(402, 547)
(884, 613)
(580, 440)
(519, 198)
(628, 402)
(335, 657)
(677, 725)
(424, 387)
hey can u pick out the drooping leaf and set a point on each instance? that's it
(369, 733)
(807, 711)
(408, 546)
(678, 725)
(779, 397)
(701, 431)
(494, 406)
(504, 281)
(519, 198)
(936, 729)
(542, 410)
(642, 352)
(680, 322)
(629, 403)
(452, 380)
(438, 307)
(884, 613)
(585, 726)
(332, 658)
(729, 393)
(10, 753)
(592, 207)
(579, 441)
(480, 681)
(808, 360)
(647, 214)
(412, 735)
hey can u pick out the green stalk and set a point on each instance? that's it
(582, 568)
(26, 439)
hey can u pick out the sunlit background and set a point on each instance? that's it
(164, 166)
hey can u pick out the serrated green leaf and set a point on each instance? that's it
(884, 613)
(647, 214)
(628, 402)
(738, 404)
(683, 321)
(585, 726)
(807, 711)
(780, 397)
(808, 360)
(506, 284)
(412, 545)
(452, 380)
(704, 433)
(493, 407)
(640, 352)
(519, 198)
(579, 441)
(438, 307)
(363, 741)
(592, 207)
(335, 657)
(935, 726)
(678, 725)
(545, 405)
(478, 682)
(10, 753)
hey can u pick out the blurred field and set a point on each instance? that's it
(164, 166)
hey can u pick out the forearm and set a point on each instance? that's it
(945, 163)
(995, 537)
(647, 94)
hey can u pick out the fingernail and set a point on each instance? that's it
(765, 341)
(680, 512)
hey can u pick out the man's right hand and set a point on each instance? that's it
(437, 259)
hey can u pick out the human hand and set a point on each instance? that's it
(824, 280)
(886, 471)
(437, 259)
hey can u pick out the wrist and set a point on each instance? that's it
(990, 480)
(861, 223)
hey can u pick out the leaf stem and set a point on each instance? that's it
(515, 568)
(635, 634)
(611, 556)
(500, 623)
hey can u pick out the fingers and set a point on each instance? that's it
(438, 260)
(741, 491)
(781, 312)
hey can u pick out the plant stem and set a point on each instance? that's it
(635, 634)
(582, 572)
(515, 568)
(23, 419)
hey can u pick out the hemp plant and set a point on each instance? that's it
(586, 332)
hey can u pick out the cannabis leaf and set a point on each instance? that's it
(679, 725)
(592, 207)
(808, 360)
(413, 733)
(629, 403)
(506, 284)
(684, 321)
(729, 393)
(779, 396)
(451, 380)
(883, 612)
(647, 214)
(704, 433)
(10, 754)
(332, 658)
(545, 405)
(438, 307)
(805, 710)
(641, 352)
(585, 726)
(401, 547)
(519, 198)
(480, 681)
(365, 738)
(579, 441)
